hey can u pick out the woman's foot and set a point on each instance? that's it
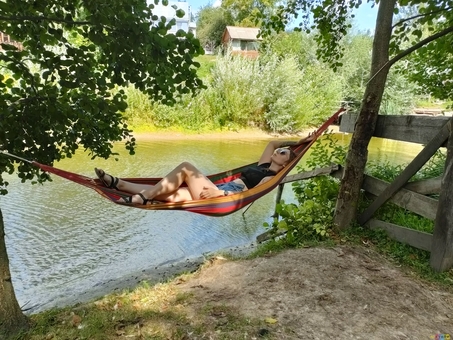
(107, 180)
(136, 199)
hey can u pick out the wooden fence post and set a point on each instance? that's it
(442, 243)
(281, 186)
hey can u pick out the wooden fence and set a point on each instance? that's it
(433, 132)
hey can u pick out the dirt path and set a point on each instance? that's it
(318, 293)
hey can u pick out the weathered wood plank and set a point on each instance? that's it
(309, 174)
(414, 238)
(406, 128)
(442, 248)
(408, 199)
(426, 186)
(267, 235)
(281, 186)
(417, 203)
(407, 173)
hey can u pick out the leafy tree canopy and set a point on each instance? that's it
(429, 66)
(61, 89)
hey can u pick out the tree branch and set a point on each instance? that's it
(41, 18)
(400, 56)
(28, 100)
(420, 44)
(421, 15)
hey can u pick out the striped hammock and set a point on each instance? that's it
(218, 206)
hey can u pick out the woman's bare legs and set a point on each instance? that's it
(169, 188)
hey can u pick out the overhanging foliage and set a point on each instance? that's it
(60, 91)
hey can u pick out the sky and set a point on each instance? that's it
(365, 16)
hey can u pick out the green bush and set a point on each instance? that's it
(269, 93)
(235, 91)
(312, 218)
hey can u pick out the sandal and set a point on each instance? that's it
(113, 180)
(129, 199)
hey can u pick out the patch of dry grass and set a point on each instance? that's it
(156, 312)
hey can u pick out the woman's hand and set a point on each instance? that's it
(307, 139)
(210, 193)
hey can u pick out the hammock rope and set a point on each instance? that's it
(218, 206)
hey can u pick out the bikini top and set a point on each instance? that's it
(254, 174)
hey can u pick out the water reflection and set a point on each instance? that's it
(64, 239)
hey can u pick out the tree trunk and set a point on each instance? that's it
(12, 320)
(348, 197)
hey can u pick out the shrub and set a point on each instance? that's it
(312, 218)
(270, 93)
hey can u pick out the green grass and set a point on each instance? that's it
(147, 312)
(408, 258)
(207, 62)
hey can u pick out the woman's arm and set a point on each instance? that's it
(265, 179)
(275, 144)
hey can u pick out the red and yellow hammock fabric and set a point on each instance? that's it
(218, 206)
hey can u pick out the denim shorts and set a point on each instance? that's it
(231, 186)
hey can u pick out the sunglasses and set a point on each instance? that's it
(282, 151)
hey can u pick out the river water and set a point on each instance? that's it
(67, 244)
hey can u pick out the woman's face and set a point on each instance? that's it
(281, 156)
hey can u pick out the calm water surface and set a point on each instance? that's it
(64, 240)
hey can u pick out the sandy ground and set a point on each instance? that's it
(232, 135)
(319, 293)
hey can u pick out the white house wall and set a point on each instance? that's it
(169, 13)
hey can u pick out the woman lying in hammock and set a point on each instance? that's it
(274, 158)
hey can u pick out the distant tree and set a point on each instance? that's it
(399, 94)
(211, 23)
(298, 44)
(60, 92)
(245, 12)
(355, 67)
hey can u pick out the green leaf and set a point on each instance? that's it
(282, 225)
(180, 13)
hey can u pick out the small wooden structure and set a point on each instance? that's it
(6, 39)
(241, 40)
(434, 133)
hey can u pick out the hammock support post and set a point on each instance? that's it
(281, 186)
(248, 207)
